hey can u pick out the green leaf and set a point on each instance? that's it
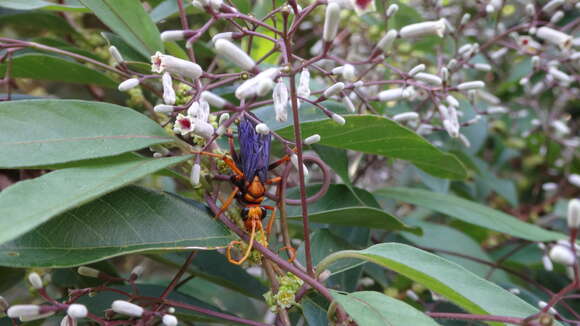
(129, 20)
(35, 201)
(39, 4)
(335, 158)
(339, 207)
(167, 9)
(381, 136)
(48, 67)
(471, 212)
(448, 279)
(129, 220)
(36, 22)
(43, 132)
(376, 309)
(314, 314)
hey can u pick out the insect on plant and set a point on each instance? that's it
(250, 179)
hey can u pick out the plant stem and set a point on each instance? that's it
(213, 313)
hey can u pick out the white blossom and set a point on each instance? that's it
(280, 98)
(262, 128)
(562, 254)
(169, 96)
(393, 8)
(386, 42)
(452, 101)
(234, 54)
(348, 72)
(334, 89)
(35, 280)
(183, 125)
(348, 104)
(560, 75)
(476, 84)
(173, 35)
(429, 78)
(417, 69)
(161, 62)
(391, 94)
(163, 108)
(23, 310)
(338, 119)
(543, 304)
(573, 216)
(557, 16)
(77, 311)
(482, 66)
(574, 179)
(406, 116)
(257, 84)
(128, 84)
(312, 139)
(127, 308)
(195, 174)
(423, 29)
(115, 54)
(225, 35)
(563, 40)
(169, 320)
(331, 22)
(552, 5)
(547, 262)
(213, 99)
(304, 84)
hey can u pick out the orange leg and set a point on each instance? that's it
(228, 202)
(291, 252)
(274, 180)
(248, 250)
(229, 162)
(284, 159)
(272, 218)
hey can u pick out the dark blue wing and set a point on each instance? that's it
(254, 151)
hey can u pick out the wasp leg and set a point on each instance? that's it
(274, 180)
(228, 202)
(284, 159)
(291, 252)
(229, 162)
(272, 218)
(248, 250)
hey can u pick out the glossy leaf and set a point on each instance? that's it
(43, 132)
(376, 309)
(129, 220)
(314, 314)
(448, 279)
(471, 212)
(35, 201)
(339, 207)
(48, 67)
(129, 20)
(39, 4)
(36, 22)
(381, 136)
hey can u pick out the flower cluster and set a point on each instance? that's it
(285, 296)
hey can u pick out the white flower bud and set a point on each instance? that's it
(338, 119)
(489, 8)
(280, 97)
(35, 280)
(324, 275)
(560, 75)
(195, 174)
(77, 311)
(162, 62)
(312, 139)
(563, 40)
(560, 127)
(464, 140)
(23, 310)
(36, 317)
(543, 304)
(547, 262)
(138, 271)
(88, 272)
(558, 15)
(412, 295)
(233, 53)
(465, 48)
(452, 64)
(127, 308)
(417, 69)
(115, 54)
(392, 10)
(488, 97)
(334, 89)
(348, 72)
(444, 73)
(552, 5)
(168, 91)
(358, 84)
(331, 22)
(213, 99)
(476, 84)
(304, 84)
(574, 179)
(452, 101)
(574, 213)
(466, 17)
(226, 36)
(406, 116)
(174, 35)
(482, 66)
(423, 29)
(562, 254)
(128, 84)
(530, 9)
(169, 320)
(294, 160)
(264, 86)
(348, 103)
(387, 41)
(450, 128)
(496, 110)
(391, 94)
(429, 78)
(549, 187)
(495, 55)
(163, 108)
(262, 128)
(260, 84)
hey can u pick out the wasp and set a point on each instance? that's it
(250, 178)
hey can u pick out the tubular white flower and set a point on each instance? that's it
(465, 18)
(488, 97)
(557, 16)
(348, 72)
(168, 91)
(452, 101)
(574, 179)
(264, 86)
(163, 108)
(223, 118)
(450, 128)
(476, 84)
(547, 262)
(423, 29)
(138, 271)
(338, 119)
(392, 10)
(406, 116)
(562, 254)
(334, 89)
(331, 22)
(262, 128)
(88, 272)
(36, 317)
(226, 35)
(349, 105)
(23, 310)
(417, 69)
(482, 66)
(35, 280)
(195, 174)
(429, 78)
(127, 308)
(77, 311)
(203, 129)
(169, 320)
(543, 304)
(128, 84)
(563, 40)
(312, 139)
(173, 35)
(161, 62)
(530, 9)
(115, 54)
(465, 48)
(495, 55)
(560, 127)
(294, 160)
(253, 86)
(549, 187)
(574, 213)
(497, 110)
(183, 125)
(280, 97)
(213, 99)
(552, 5)
(560, 75)
(391, 94)
(386, 42)
(233, 53)
(304, 84)
(412, 295)
(444, 73)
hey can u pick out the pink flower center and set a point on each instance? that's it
(184, 123)
(363, 4)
